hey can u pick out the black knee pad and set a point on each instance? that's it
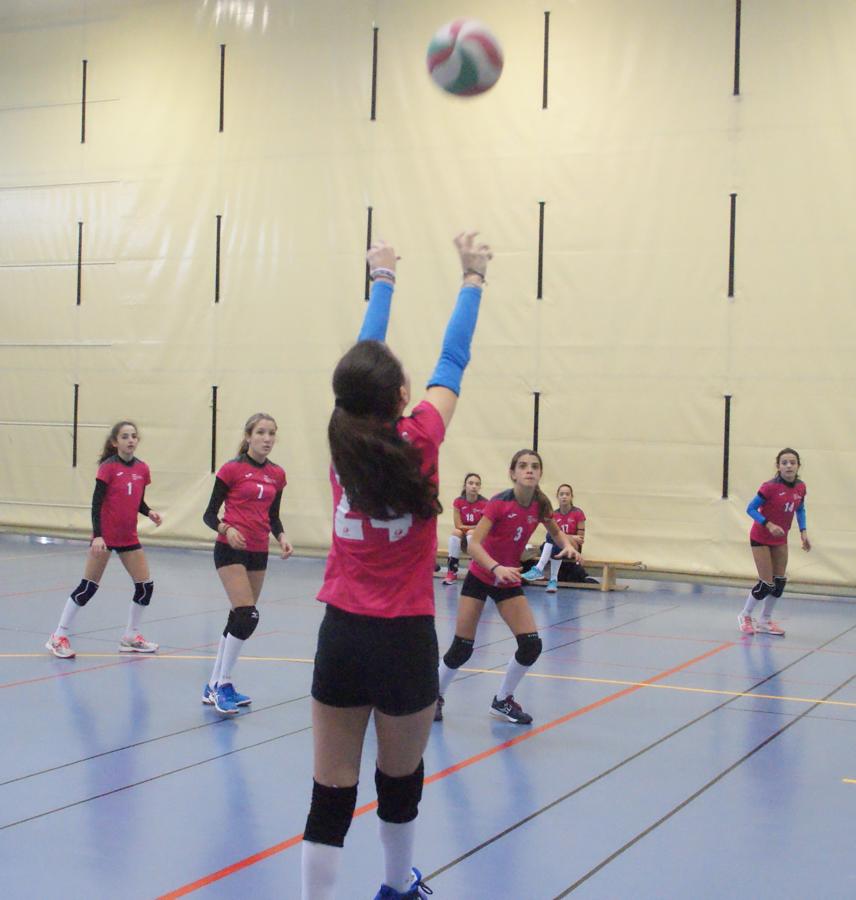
(458, 653)
(245, 619)
(779, 582)
(761, 590)
(228, 624)
(143, 592)
(330, 814)
(84, 592)
(528, 648)
(398, 798)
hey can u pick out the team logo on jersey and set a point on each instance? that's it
(531, 519)
(248, 475)
(512, 515)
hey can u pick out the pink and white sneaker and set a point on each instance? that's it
(60, 647)
(763, 626)
(137, 644)
(745, 624)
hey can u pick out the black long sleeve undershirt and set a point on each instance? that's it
(276, 528)
(218, 495)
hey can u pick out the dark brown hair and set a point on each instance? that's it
(565, 484)
(466, 479)
(378, 470)
(781, 453)
(110, 449)
(545, 507)
(249, 425)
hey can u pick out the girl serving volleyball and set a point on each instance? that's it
(773, 509)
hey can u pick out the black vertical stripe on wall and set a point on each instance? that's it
(535, 415)
(222, 84)
(368, 245)
(737, 13)
(726, 446)
(83, 106)
(731, 239)
(373, 115)
(546, 57)
(213, 427)
(541, 205)
(79, 261)
(217, 262)
(74, 426)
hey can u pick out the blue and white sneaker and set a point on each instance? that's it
(532, 574)
(240, 699)
(224, 700)
(418, 889)
(552, 586)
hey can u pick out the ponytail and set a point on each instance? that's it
(249, 425)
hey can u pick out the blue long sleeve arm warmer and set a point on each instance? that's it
(376, 319)
(801, 516)
(455, 353)
(754, 509)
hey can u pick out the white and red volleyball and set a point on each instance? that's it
(464, 58)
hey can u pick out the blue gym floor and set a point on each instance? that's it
(671, 757)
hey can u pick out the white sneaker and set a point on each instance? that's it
(60, 647)
(137, 644)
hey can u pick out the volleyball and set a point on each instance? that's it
(464, 58)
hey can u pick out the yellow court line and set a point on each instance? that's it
(614, 681)
(849, 780)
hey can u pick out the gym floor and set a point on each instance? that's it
(670, 757)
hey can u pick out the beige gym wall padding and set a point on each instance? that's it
(632, 346)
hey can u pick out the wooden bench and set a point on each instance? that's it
(608, 569)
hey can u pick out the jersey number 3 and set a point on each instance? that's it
(352, 529)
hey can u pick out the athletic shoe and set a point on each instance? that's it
(745, 624)
(208, 697)
(60, 647)
(137, 644)
(418, 890)
(589, 580)
(552, 586)
(510, 710)
(451, 577)
(224, 700)
(768, 627)
(532, 574)
(438, 709)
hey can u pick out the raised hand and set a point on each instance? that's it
(474, 256)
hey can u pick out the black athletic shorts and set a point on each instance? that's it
(754, 543)
(251, 560)
(474, 587)
(127, 549)
(390, 664)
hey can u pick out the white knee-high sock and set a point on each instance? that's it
(231, 652)
(454, 551)
(135, 614)
(218, 663)
(749, 605)
(769, 603)
(555, 565)
(397, 839)
(513, 673)
(318, 871)
(69, 611)
(447, 676)
(546, 553)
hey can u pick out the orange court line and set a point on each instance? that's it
(437, 776)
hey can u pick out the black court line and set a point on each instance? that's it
(703, 789)
(726, 446)
(166, 774)
(737, 17)
(154, 740)
(373, 113)
(74, 427)
(546, 57)
(79, 261)
(599, 777)
(83, 105)
(222, 85)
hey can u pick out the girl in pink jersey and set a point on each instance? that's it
(377, 648)
(495, 547)
(572, 521)
(251, 486)
(119, 497)
(467, 511)
(772, 510)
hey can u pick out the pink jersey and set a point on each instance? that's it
(569, 522)
(470, 513)
(781, 501)
(126, 483)
(385, 567)
(511, 527)
(252, 489)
